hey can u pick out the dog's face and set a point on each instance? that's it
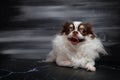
(77, 31)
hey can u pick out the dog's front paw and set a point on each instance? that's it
(92, 68)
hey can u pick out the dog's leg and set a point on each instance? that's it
(63, 61)
(90, 66)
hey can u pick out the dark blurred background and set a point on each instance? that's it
(28, 26)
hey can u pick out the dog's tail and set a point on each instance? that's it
(100, 48)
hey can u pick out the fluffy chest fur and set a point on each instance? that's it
(89, 48)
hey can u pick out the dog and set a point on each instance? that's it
(76, 46)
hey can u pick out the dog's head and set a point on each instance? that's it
(77, 31)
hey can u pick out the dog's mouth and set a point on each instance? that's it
(75, 40)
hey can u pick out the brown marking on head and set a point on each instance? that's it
(86, 29)
(67, 28)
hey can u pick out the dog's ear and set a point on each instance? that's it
(65, 29)
(90, 33)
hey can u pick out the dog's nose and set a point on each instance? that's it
(75, 32)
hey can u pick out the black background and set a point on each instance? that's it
(28, 26)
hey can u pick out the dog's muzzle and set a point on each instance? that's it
(75, 40)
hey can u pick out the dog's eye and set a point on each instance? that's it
(71, 28)
(83, 31)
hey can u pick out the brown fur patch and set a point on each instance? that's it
(87, 29)
(66, 28)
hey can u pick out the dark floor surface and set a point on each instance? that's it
(24, 69)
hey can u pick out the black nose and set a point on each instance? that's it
(75, 32)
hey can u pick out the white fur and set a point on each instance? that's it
(80, 55)
(76, 24)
